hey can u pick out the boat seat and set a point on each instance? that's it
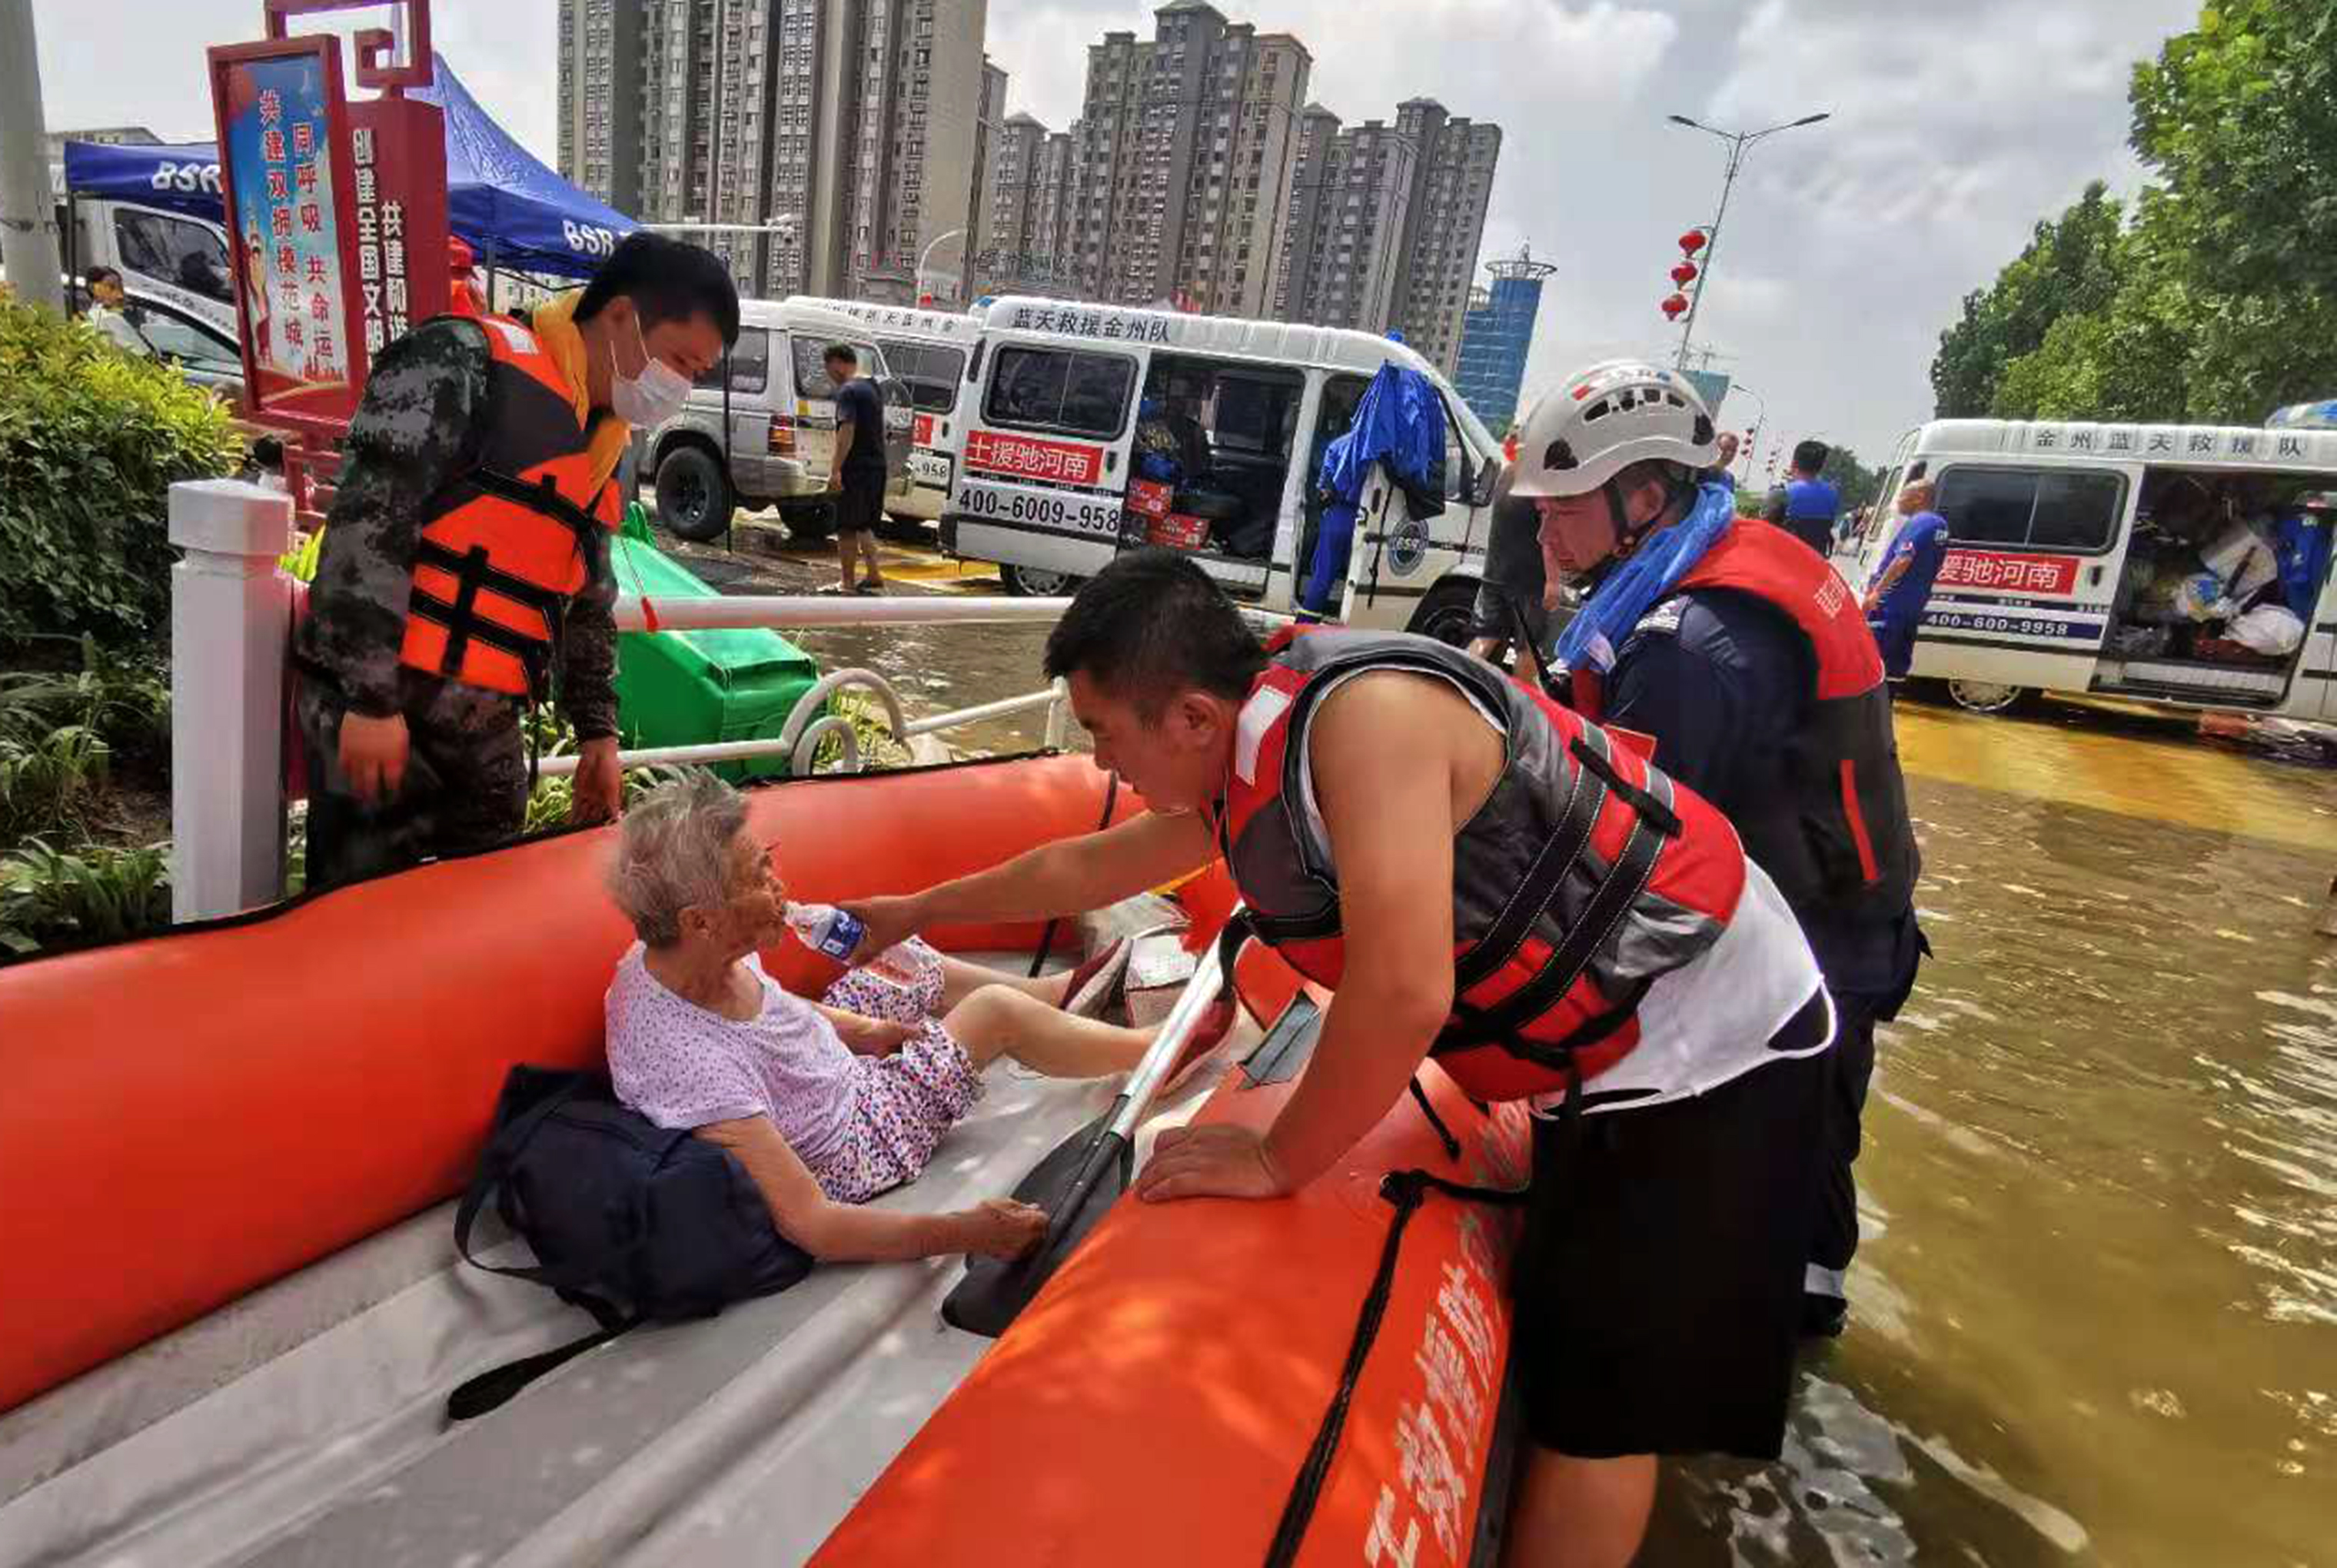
(305, 1425)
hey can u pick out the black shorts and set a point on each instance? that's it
(861, 502)
(1659, 1284)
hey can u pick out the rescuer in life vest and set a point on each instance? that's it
(1481, 876)
(464, 572)
(1748, 658)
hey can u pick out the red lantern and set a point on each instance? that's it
(1675, 305)
(1684, 274)
(1692, 242)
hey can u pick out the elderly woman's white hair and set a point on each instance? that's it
(673, 853)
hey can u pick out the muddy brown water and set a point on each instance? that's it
(2095, 1313)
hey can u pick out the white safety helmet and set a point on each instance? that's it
(1591, 427)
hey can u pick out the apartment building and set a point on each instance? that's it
(1347, 229)
(1185, 150)
(848, 126)
(1031, 193)
(989, 121)
(600, 77)
(1452, 183)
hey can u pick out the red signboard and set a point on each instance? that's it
(2010, 573)
(1028, 457)
(286, 177)
(923, 431)
(337, 210)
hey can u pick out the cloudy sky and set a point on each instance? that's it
(1849, 246)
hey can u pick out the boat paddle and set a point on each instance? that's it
(1078, 1183)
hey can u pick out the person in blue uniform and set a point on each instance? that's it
(1901, 585)
(1806, 506)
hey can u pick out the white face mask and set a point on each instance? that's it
(653, 396)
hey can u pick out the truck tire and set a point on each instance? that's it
(693, 494)
(1447, 611)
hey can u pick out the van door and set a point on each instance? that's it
(2035, 553)
(1400, 557)
(2320, 661)
(1043, 458)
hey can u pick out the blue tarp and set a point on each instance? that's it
(513, 211)
(1400, 423)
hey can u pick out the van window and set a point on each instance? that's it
(1057, 389)
(176, 249)
(2032, 509)
(811, 369)
(1458, 467)
(751, 363)
(173, 337)
(929, 370)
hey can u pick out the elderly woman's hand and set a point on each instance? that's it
(868, 1036)
(1004, 1228)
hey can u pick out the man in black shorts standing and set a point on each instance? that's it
(857, 476)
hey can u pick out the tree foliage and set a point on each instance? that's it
(2217, 302)
(90, 441)
(2070, 267)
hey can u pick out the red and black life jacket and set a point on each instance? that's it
(505, 546)
(1585, 876)
(1839, 839)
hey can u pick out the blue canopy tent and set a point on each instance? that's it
(500, 200)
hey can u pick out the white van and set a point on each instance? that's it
(781, 426)
(928, 350)
(165, 259)
(2065, 538)
(1048, 443)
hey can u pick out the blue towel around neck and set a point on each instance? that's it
(1631, 590)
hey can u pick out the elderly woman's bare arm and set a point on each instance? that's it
(848, 1232)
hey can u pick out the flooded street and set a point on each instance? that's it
(2095, 1315)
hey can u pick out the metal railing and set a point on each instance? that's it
(230, 621)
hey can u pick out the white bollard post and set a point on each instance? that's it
(230, 617)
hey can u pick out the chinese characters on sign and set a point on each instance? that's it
(276, 126)
(381, 248)
(1072, 321)
(2008, 573)
(1067, 462)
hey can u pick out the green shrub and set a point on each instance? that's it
(121, 693)
(90, 441)
(97, 893)
(52, 781)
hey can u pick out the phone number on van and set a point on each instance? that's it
(1069, 513)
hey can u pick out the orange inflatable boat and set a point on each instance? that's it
(233, 1310)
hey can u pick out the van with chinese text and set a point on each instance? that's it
(1087, 429)
(927, 350)
(2185, 565)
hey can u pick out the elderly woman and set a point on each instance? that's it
(824, 1106)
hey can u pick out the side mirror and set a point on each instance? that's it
(1487, 478)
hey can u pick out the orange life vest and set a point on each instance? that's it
(505, 546)
(1841, 838)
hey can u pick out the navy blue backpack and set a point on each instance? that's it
(630, 1221)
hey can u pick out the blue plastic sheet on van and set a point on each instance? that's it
(1400, 421)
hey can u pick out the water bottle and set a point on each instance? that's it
(827, 930)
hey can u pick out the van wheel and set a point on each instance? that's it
(693, 494)
(1447, 612)
(1036, 582)
(1986, 695)
(810, 522)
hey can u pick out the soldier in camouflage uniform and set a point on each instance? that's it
(406, 763)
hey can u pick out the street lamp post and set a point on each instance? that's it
(1760, 423)
(1739, 143)
(918, 282)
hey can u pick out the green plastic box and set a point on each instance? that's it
(696, 688)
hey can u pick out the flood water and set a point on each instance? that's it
(2095, 1314)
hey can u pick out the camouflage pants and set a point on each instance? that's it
(465, 784)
